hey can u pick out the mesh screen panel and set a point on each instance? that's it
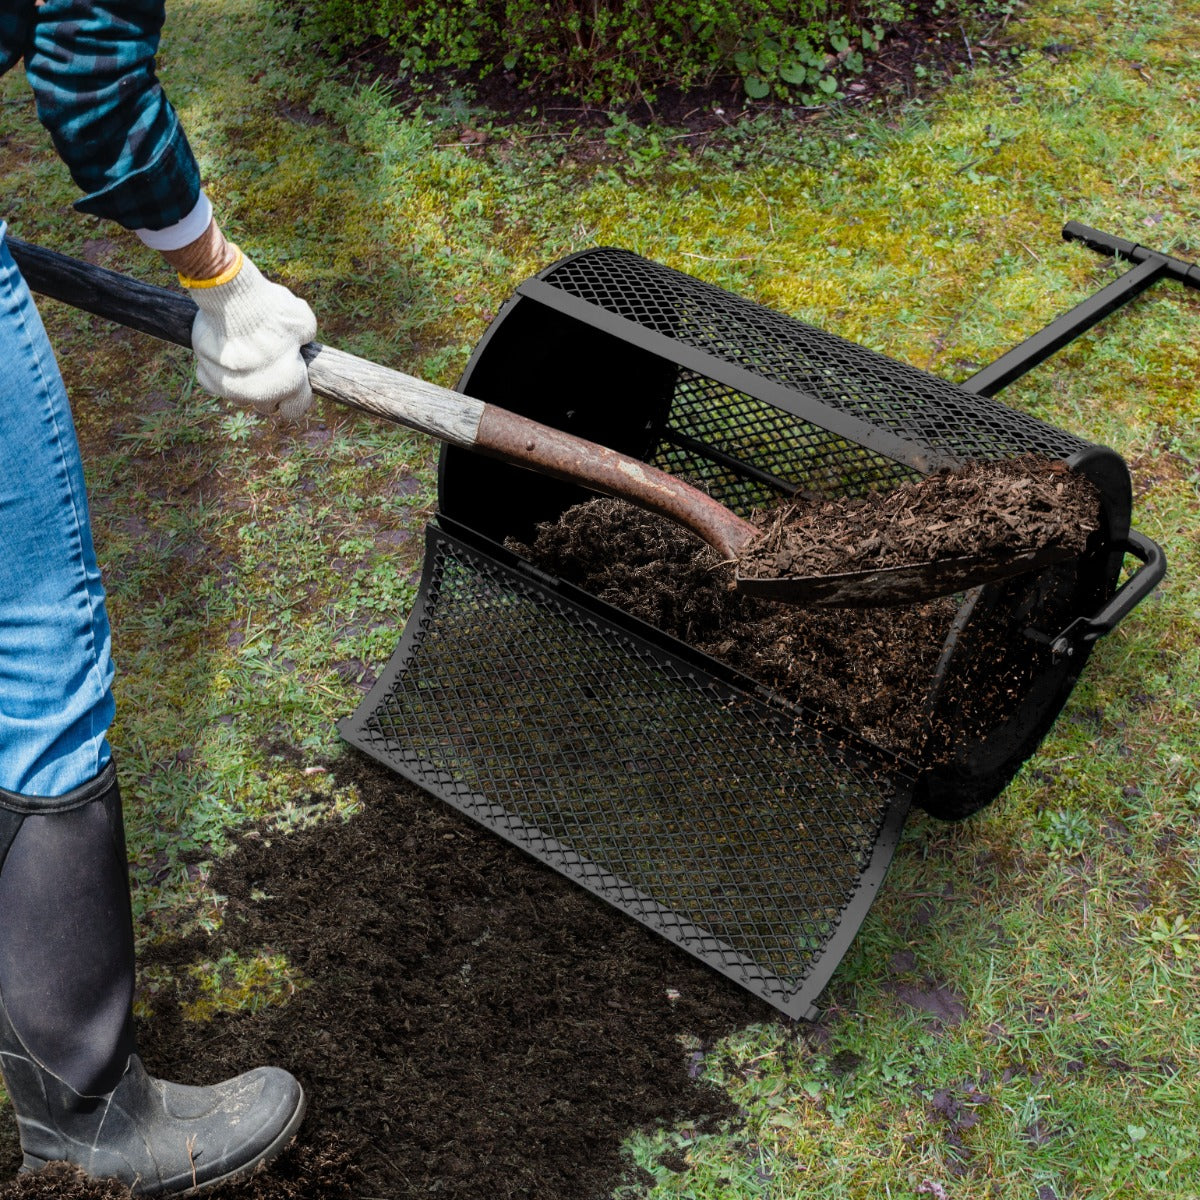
(688, 797)
(746, 452)
(844, 375)
(731, 826)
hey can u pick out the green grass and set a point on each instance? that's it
(255, 571)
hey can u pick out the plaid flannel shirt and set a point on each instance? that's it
(91, 65)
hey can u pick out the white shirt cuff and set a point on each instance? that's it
(182, 233)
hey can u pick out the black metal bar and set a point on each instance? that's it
(1149, 267)
(1130, 594)
(918, 455)
(1036, 349)
(1109, 244)
(701, 449)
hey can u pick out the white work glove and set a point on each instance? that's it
(247, 338)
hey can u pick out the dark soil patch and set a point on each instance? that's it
(472, 1024)
(937, 1000)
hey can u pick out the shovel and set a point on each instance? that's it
(474, 425)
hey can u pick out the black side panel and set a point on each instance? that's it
(726, 823)
(565, 374)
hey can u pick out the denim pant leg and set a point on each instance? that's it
(55, 664)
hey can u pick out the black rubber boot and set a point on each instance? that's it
(67, 1047)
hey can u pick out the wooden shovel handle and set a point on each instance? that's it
(350, 380)
(525, 443)
(368, 387)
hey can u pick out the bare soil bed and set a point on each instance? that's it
(470, 1024)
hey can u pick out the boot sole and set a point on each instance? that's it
(32, 1164)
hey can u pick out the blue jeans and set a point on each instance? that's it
(55, 649)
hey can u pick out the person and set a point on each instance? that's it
(68, 1051)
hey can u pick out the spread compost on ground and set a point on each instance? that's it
(466, 1022)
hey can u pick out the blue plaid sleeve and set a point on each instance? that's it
(91, 65)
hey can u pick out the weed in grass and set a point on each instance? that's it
(238, 426)
(1170, 945)
(1064, 831)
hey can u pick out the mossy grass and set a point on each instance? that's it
(1017, 1018)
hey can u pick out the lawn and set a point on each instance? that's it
(1018, 1016)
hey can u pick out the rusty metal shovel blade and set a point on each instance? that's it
(910, 583)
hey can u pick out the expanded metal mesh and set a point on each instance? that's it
(844, 375)
(746, 453)
(734, 827)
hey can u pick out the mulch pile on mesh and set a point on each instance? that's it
(858, 668)
(992, 510)
(471, 1025)
(868, 670)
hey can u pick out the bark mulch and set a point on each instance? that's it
(867, 670)
(993, 510)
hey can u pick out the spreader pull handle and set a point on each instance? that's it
(1135, 589)
(1109, 244)
(1128, 596)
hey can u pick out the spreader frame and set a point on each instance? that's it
(452, 740)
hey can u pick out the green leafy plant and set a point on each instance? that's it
(618, 51)
(1171, 943)
(1064, 832)
(239, 426)
(805, 64)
